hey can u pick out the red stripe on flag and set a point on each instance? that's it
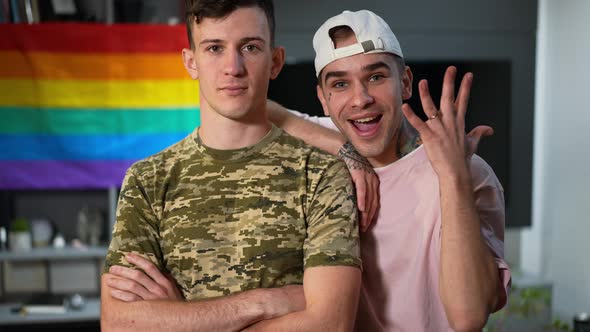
(93, 38)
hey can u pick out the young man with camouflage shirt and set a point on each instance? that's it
(236, 210)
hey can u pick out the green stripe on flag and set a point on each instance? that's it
(25, 120)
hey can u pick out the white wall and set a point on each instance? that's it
(557, 247)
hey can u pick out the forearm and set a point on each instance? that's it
(301, 321)
(313, 134)
(231, 313)
(469, 276)
(330, 307)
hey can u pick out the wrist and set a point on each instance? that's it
(459, 184)
(263, 307)
(353, 159)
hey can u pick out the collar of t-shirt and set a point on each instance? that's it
(235, 155)
(400, 166)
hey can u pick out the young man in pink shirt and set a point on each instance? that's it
(433, 259)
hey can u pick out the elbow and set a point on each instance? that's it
(106, 322)
(468, 320)
(109, 321)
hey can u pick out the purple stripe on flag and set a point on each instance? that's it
(62, 174)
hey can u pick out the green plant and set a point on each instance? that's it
(559, 325)
(526, 304)
(19, 225)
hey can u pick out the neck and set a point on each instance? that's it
(222, 133)
(404, 141)
(409, 140)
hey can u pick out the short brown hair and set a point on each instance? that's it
(196, 10)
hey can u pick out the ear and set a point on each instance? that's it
(278, 60)
(407, 83)
(188, 59)
(322, 99)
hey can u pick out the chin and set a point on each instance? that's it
(369, 148)
(235, 112)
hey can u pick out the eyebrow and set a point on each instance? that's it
(336, 74)
(242, 41)
(367, 68)
(376, 65)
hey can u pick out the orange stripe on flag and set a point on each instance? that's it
(77, 66)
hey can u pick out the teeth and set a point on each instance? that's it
(363, 120)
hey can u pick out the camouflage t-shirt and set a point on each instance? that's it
(227, 221)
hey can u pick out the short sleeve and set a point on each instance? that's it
(332, 220)
(136, 228)
(489, 200)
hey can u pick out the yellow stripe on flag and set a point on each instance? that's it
(99, 94)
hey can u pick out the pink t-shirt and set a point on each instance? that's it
(401, 251)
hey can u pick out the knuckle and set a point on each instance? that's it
(135, 288)
(160, 294)
(149, 268)
(169, 285)
(135, 274)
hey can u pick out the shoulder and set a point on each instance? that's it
(319, 166)
(163, 162)
(296, 147)
(483, 174)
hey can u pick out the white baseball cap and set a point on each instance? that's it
(372, 33)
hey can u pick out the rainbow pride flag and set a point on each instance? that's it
(79, 103)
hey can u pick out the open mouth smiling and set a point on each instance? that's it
(367, 124)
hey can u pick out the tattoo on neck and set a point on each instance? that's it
(409, 140)
(353, 159)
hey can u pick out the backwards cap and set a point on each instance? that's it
(372, 33)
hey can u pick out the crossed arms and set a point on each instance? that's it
(328, 301)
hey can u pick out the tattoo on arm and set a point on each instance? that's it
(353, 159)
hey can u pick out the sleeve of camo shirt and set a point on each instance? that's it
(332, 218)
(136, 228)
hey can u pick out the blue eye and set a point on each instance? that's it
(339, 84)
(375, 77)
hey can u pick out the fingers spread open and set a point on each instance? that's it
(426, 99)
(415, 121)
(474, 137)
(462, 100)
(447, 100)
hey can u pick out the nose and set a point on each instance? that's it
(234, 64)
(361, 98)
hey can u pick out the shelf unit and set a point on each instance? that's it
(48, 255)
(90, 312)
(54, 254)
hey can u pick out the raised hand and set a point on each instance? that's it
(134, 285)
(443, 134)
(365, 181)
